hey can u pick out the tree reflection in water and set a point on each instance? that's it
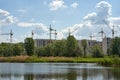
(57, 71)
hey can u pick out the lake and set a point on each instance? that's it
(57, 71)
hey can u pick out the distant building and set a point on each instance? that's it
(42, 42)
(90, 43)
(106, 43)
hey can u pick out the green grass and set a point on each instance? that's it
(111, 61)
(107, 61)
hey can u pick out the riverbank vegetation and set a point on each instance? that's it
(107, 61)
(60, 51)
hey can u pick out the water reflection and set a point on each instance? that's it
(57, 71)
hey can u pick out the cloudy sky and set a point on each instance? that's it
(82, 17)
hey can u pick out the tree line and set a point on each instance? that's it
(67, 48)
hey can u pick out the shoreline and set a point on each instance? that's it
(106, 61)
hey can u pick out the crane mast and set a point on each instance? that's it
(10, 34)
(69, 32)
(112, 29)
(51, 32)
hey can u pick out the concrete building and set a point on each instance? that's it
(90, 43)
(42, 42)
(106, 43)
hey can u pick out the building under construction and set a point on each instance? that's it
(42, 42)
(105, 44)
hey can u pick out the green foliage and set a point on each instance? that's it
(1, 50)
(18, 49)
(29, 46)
(73, 49)
(97, 51)
(56, 48)
(115, 47)
(84, 45)
(39, 51)
(7, 49)
(48, 50)
(68, 48)
(60, 48)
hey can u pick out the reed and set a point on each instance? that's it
(107, 61)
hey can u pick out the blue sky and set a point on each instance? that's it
(23, 16)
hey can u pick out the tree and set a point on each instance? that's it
(40, 51)
(60, 48)
(48, 50)
(115, 47)
(18, 49)
(1, 50)
(71, 46)
(7, 49)
(97, 51)
(84, 45)
(29, 46)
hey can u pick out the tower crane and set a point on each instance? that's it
(50, 30)
(91, 36)
(102, 33)
(11, 34)
(94, 36)
(32, 34)
(70, 32)
(55, 34)
(112, 29)
(118, 29)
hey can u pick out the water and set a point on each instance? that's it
(57, 71)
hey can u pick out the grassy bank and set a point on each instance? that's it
(111, 61)
(50, 59)
(107, 61)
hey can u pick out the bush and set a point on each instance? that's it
(97, 51)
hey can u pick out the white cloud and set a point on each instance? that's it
(39, 28)
(57, 4)
(24, 24)
(90, 17)
(115, 20)
(10, 19)
(93, 22)
(6, 18)
(4, 13)
(103, 13)
(65, 32)
(104, 8)
(74, 5)
(22, 11)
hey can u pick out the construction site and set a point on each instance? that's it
(104, 41)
